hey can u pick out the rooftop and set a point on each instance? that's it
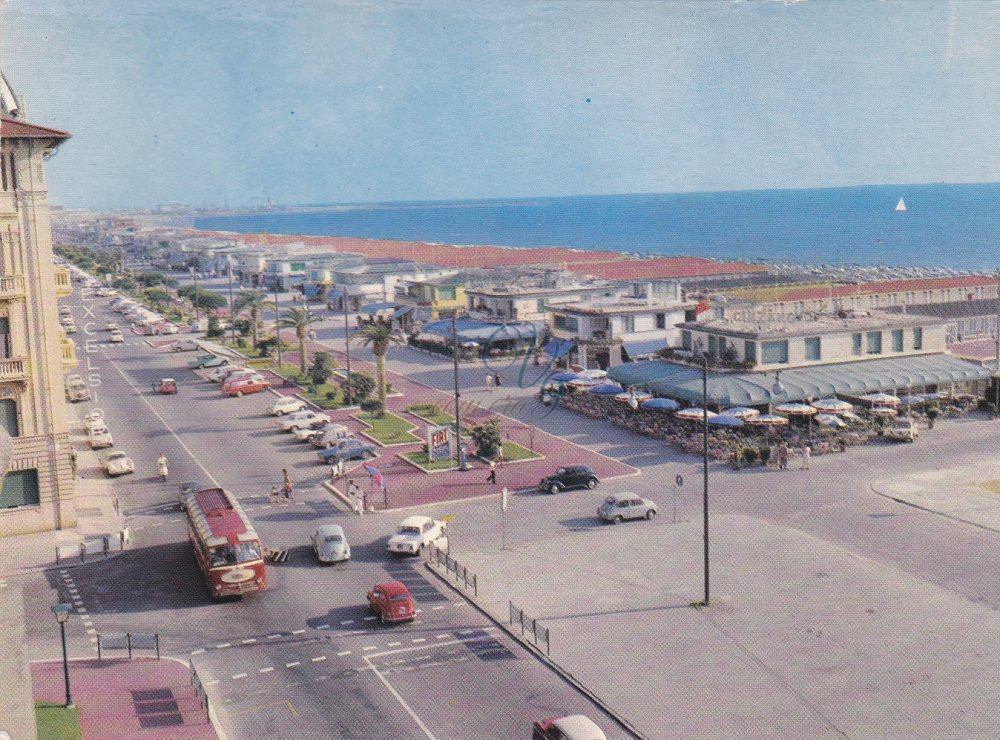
(619, 305)
(820, 290)
(751, 327)
(952, 310)
(15, 128)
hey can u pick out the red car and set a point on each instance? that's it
(391, 602)
(166, 386)
(572, 727)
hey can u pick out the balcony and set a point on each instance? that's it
(68, 348)
(11, 287)
(13, 368)
(64, 285)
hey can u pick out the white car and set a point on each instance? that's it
(287, 405)
(168, 328)
(415, 533)
(330, 545)
(902, 430)
(302, 434)
(218, 374)
(64, 310)
(112, 327)
(117, 463)
(69, 328)
(98, 436)
(300, 419)
(66, 319)
(185, 345)
(116, 337)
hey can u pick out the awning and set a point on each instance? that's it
(402, 311)
(644, 346)
(818, 381)
(480, 331)
(373, 308)
(334, 293)
(559, 347)
(310, 291)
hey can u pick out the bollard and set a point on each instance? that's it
(157, 645)
(57, 555)
(106, 544)
(83, 551)
(475, 585)
(128, 642)
(98, 648)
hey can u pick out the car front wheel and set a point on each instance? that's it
(650, 514)
(592, 483)
(618, 519)
(553, 488)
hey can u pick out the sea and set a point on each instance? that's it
(943, 225)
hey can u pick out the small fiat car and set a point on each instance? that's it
(391, 602)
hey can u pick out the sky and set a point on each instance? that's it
(230, 103)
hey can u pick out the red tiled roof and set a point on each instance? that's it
(840, 290)
(14, 128)
(665, 267)
(605, 264)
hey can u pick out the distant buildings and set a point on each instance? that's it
(37, 492)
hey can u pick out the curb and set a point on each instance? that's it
(546, 660)
(904, 502)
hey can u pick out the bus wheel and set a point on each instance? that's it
(239, 394)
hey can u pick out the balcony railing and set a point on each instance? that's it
(11, 287)
(68, 353)
(13, 368)
(64, 285)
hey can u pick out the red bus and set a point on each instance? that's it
(225, 543)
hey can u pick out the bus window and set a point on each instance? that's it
(224, 555)
(247, 551)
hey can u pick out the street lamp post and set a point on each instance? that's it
(704, 453)
(458, 418)
(197, 314)
(232, 313)
(809, 400)
(347, 342)
(62, 612)
(277, 322)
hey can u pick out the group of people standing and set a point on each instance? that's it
(493, 380)
(782, 452)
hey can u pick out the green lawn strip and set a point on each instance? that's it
(439, 418)
(389, 430)
(419, 458)
(56, 722)
(513, 452)
(319, 397)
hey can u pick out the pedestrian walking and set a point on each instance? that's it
(287, 484)
(500, 454)
(806, 454)
(72, 460)
(489, 382)
(783, 456)
(492, 477)
(312, 335)
(497, 380)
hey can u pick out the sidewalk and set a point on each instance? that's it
(96, 511)
(144, 698)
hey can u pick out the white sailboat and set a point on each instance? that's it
(901, 206)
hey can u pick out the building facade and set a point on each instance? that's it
(37, 492)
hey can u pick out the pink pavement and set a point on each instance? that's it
(407, 485)
(146, 699)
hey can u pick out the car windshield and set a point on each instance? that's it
(224, 555)
(116, 456)
(611, 500)
(400, 597)
(247, 551)
(334, 538)
(409, 530)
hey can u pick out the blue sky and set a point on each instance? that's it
(350, 100)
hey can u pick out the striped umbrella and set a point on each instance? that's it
(724, 420)
(768, 420)
(797, 409)
(740, 412)
(883, 411)
(832, 404)
(661, 404)
(829, 420)
(881, 399)
(693, 414)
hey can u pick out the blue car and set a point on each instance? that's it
(207, 361)
(346, 449)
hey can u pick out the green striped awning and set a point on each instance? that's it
(818, 381)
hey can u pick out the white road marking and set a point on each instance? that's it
(435, 608)
(224, 645)
(249, 641)
(292, 664)
(271, 637)
(369, 619)
(420, 639)
(297, 632)
(199, 651)
(91, 632)
(342, 653)
(323, 627)
(212, 682)
(417, 611)
(440, 637)
(394, 644)
(240, 675)
(180, 441)
(370, 647)
(265, 670)
(409, 711)
(318, 658)
(348, 621)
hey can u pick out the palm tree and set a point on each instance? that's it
(299, 319)
(378, 334)
(255, 302)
